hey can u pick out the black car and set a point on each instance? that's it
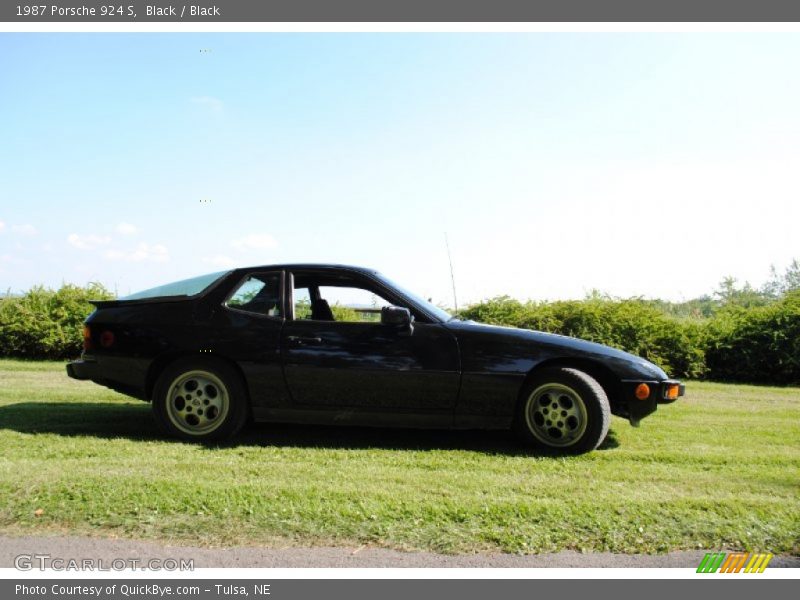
(339, 344)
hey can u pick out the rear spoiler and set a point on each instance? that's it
(137, 301)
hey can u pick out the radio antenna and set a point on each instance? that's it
(452, 276)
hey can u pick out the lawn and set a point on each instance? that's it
(718, 469)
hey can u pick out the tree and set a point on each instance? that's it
(780, 285)
(746, 296)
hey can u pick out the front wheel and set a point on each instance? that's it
(563, 409)
(200, 400)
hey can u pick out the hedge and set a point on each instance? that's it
(758, 344)
(45, 323)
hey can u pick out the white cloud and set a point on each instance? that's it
(10, 260)
(26, 229)
(127, 229)
(213, 104)
(87, 242)
(142, 252)
(2, 226)
(254, 241)
(220, 260)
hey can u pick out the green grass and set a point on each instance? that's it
(720, 468)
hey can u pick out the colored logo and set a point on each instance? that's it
(734, 562)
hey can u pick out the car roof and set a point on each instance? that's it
(313, 266)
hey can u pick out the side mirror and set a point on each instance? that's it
(398, 317)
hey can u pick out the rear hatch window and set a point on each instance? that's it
(185, 288)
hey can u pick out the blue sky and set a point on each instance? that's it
(637, 164)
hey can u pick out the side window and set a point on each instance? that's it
(336, 297)
(260, 294)
(302, 303)
(353, 305)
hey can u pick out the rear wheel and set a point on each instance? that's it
(563, 409)
(200, 399)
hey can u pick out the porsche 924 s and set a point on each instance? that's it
(332, 344)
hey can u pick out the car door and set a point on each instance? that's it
(352, 361)
(246, 328)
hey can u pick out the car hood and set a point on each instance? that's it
(624, 363)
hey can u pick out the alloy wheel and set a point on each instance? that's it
(197, 402)
(556, 415)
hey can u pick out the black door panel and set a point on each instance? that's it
(332, 365)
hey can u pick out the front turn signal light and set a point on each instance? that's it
(672, 391)
(642, 391)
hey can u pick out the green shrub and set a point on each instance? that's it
(759, 344)
(344, 313)
(739, 342)
(45, 323)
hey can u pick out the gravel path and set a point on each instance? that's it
(73, 547)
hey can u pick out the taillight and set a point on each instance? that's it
(107, 339)
(87, 338)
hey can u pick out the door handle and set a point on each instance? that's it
(303, 340)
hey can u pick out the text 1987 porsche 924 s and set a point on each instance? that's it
(338, 344)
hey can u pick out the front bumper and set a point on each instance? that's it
(638, 408)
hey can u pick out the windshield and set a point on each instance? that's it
(186, 287)
(439, 313)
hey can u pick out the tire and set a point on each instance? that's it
(563, 409)
(200, 399)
